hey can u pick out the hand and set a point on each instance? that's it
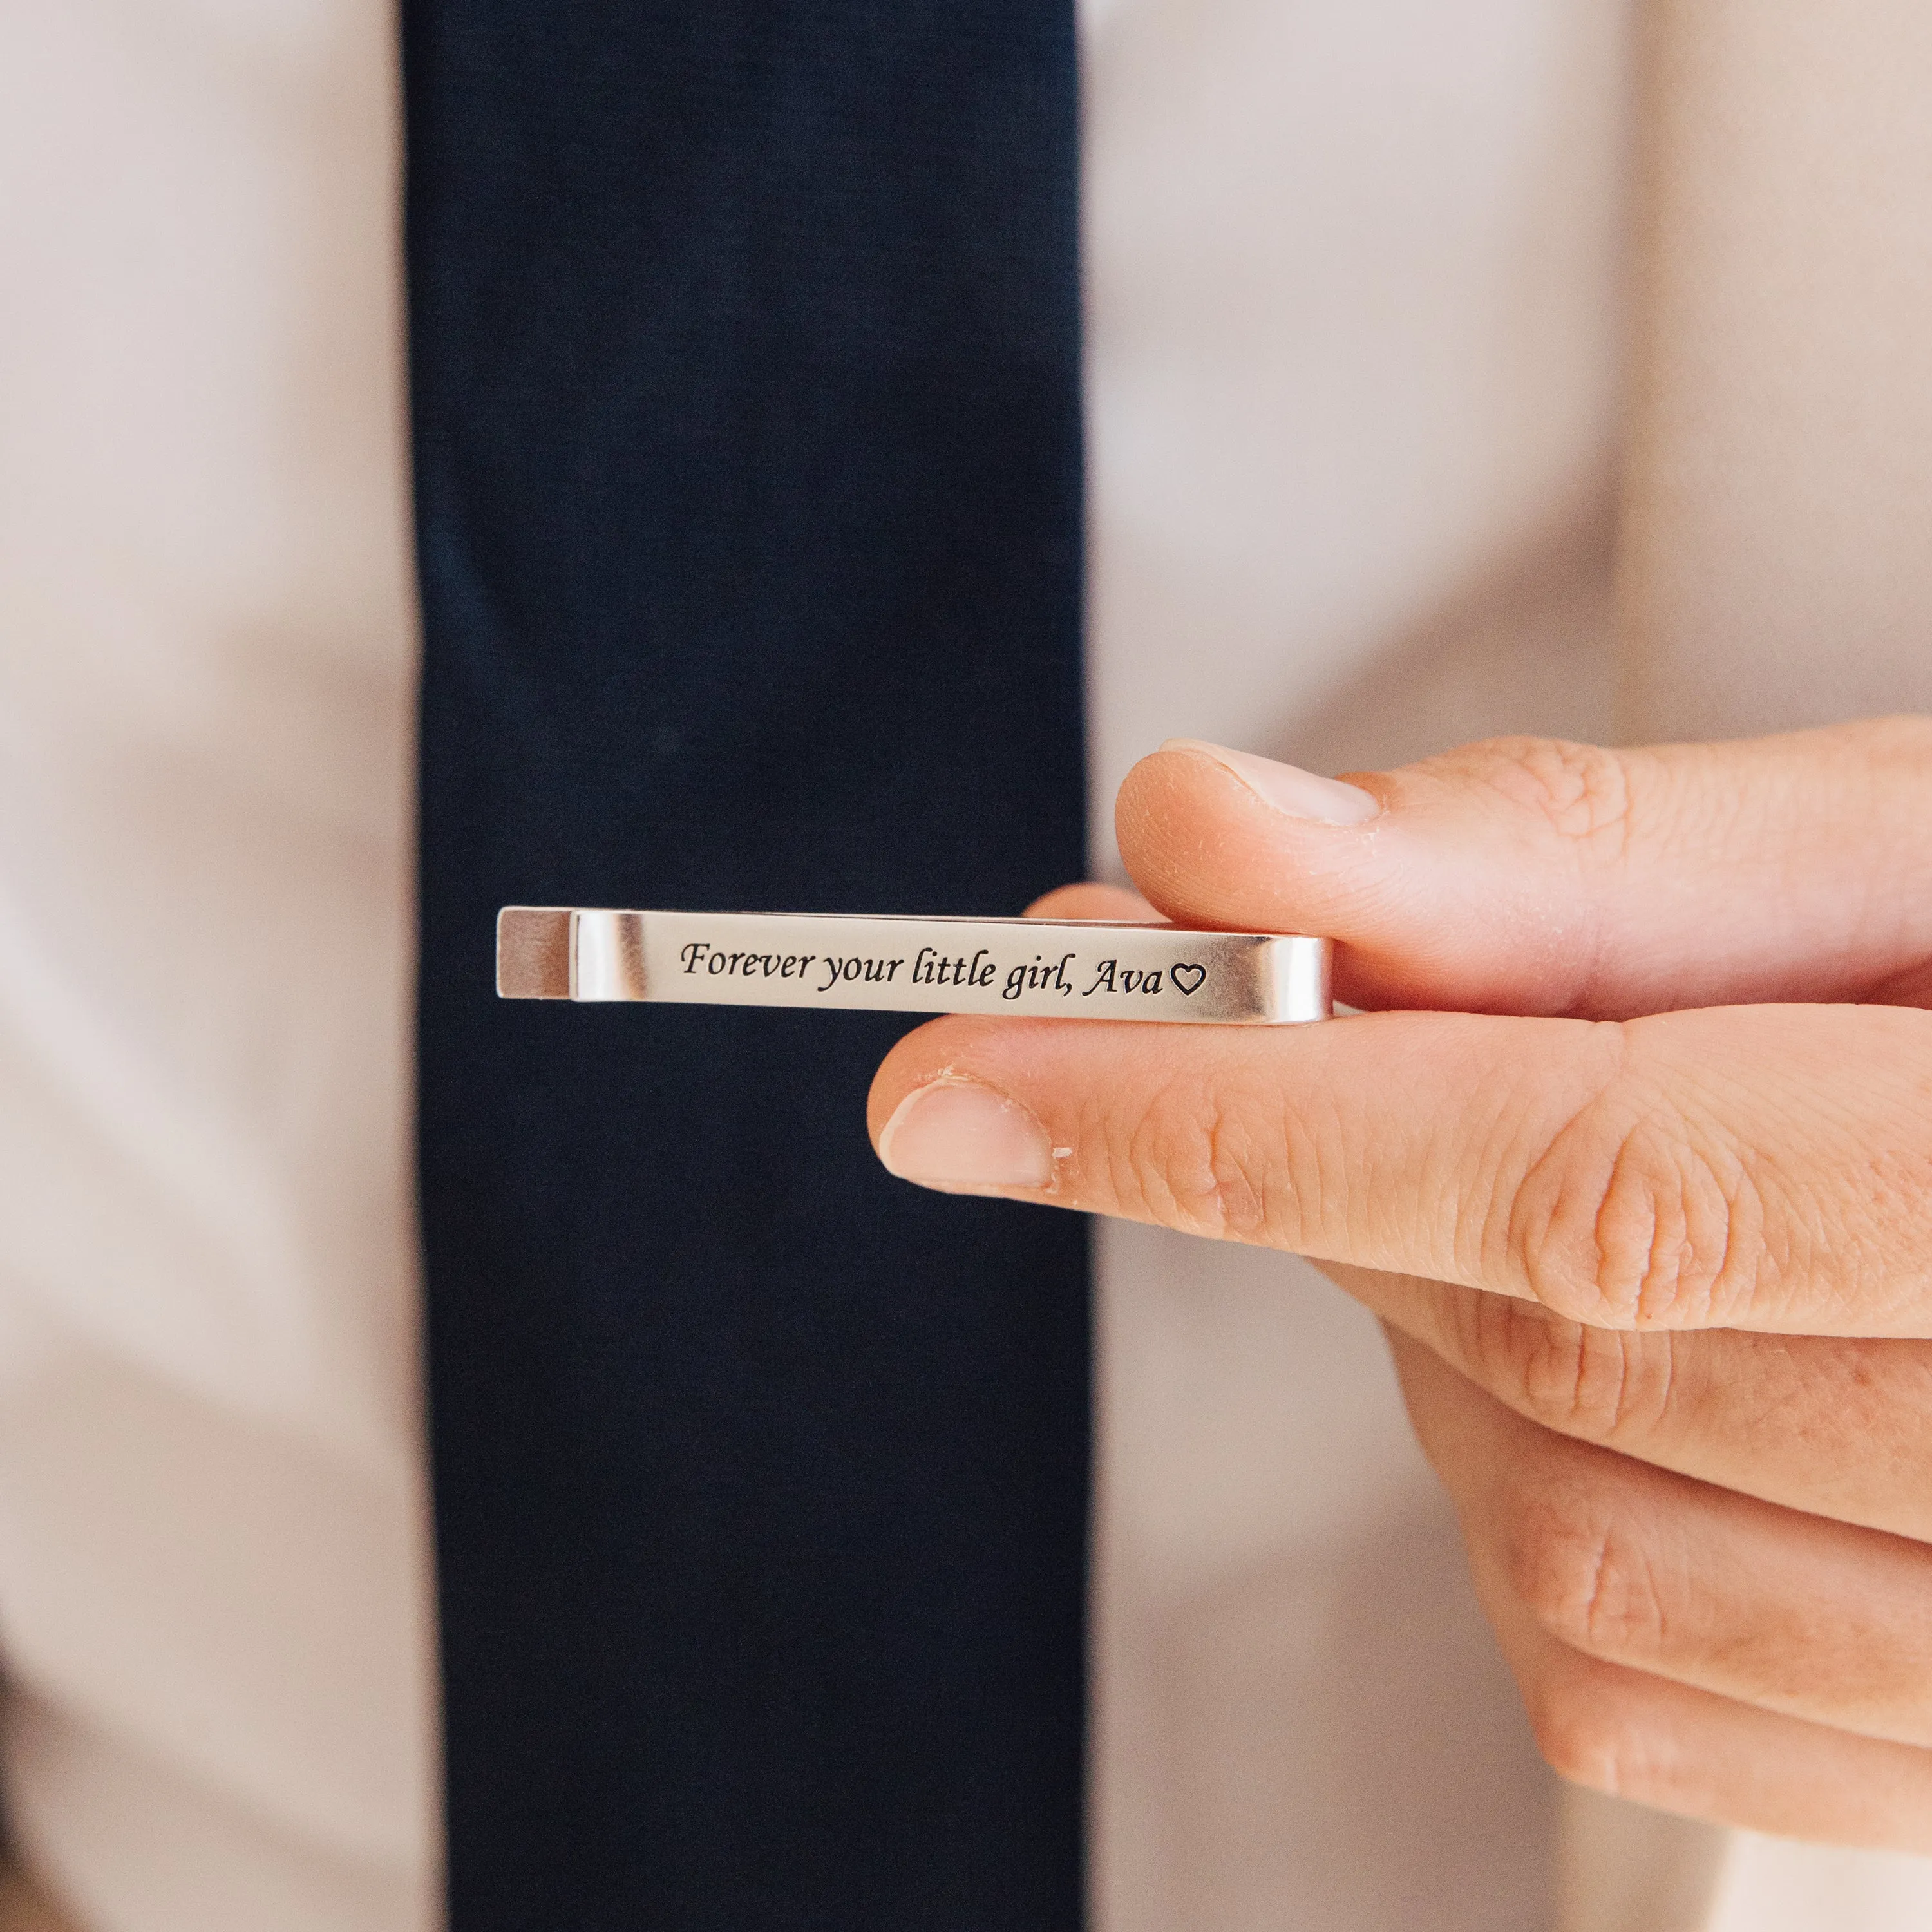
(1655, 1256)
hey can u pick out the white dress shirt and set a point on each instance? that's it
(1352, 274)
(1351, 287)
(213, 1570)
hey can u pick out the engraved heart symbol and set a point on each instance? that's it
(1187, 978)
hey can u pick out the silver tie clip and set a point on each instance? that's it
(1079, 969)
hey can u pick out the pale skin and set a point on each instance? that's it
(1632, 1154)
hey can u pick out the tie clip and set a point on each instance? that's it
(1065, 969)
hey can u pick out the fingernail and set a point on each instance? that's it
(1288, 788)
(952, 1132)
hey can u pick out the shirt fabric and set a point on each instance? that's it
(1353, 275)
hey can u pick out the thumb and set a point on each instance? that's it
(1533, 876)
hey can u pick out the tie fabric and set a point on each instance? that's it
(744, 343)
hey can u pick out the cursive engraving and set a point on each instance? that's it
(831, 972)
(931, 968)
(870, 972)
(1037, 977)
(1110, 975)
(698, 957)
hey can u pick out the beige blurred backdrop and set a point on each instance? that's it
(1510, 366)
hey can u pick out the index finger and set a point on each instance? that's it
(1766, 1167)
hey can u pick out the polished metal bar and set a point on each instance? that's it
(1066, 969)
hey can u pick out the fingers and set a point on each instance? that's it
(1837, 1428)
(1641, 1567)
(1091, 900)
(1686, 1647)
(1765, 1168)
(1679, 1749)
(1530, 876)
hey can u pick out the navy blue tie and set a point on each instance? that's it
(745, 355)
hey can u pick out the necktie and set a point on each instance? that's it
(744, 352)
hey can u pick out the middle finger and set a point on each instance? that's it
(1840, 1428)
(1768, 1606)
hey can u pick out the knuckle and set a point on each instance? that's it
(1576, 1733)
(1575, 806)
(1198, 1159)
(1576, 1566)
(1588, 1732)
(1582, 793)
(1604, 1385)
(1637, 1220)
